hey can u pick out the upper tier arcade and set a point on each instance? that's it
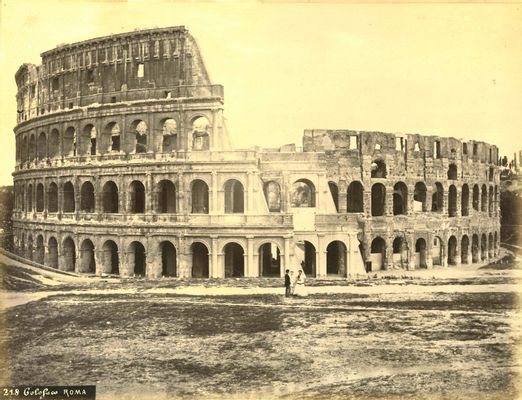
(147, 64)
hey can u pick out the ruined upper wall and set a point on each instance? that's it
(154, 63)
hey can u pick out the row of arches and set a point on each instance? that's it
(470, 249)
(112, 139)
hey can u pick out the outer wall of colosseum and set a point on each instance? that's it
(124, 167)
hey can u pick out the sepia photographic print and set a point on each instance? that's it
(260, 200)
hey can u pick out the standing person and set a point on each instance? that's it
(288, 284)
(300, 289)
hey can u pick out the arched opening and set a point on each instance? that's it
(52, 258)
(111, 259)
(452, 250)
(87, 143)
(490, 201)
(419, 197)
(234, 260)
(484, 199)
(400, 252)
(110, 140)
(476, 197)
(39, 197)
(69, 254)
(137, 258)
(166, 197)
(483, 247)
(200, 133)
(269, 260)
(170, 137)
(464, 249)
(21, 247)
(437, 198)
(40, 250)
(452, 172)
(87, 260)
(168, 259)
(377, 253)
(309, 259)
(30, 197)
(491, 174)
(139, 129)
(69, 142)
(336, 258)
(234, 197)
(110, 197)
(32, 148)
(378, 169)
(68, 197)
(475, 249)
(420, 253)
(87, 197)
(54, 144)
(273, 196)
(378, 199)
(42, 146)
(136, 197)
(24, 150)
(452, 201)
(490, 246)
(303, 193)
(437, 251)
(464, 201)
(52, 198)
(355, 197)
(199, 197)
(400, 198)
(30, 247)
(334, 191)
(199, 260)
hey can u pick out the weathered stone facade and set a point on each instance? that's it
(124, 167)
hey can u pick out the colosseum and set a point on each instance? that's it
(124, 167)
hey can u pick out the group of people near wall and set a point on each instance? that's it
(295, 284)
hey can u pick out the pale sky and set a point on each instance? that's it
(448, 70)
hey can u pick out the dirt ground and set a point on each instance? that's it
(137, 341)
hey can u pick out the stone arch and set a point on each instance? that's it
(169, 129)
(355, 197)
(30, 197)
(464, 248)
(483, 247)
(303, 193)
(24, 152)
(475, 253)
(138, 131)
(137, 258)
(420, 253)
(110, 138)
(378, 253)
(378, 169)
(168, 258)
(199, 190)
(68, 197)
(200, 133)
(234, 197)
(52, 198)
(484, 199)
(336, 258)
(334, 191)
(166, 196)
(69, 142)
(419, 197)
(42, 146)
(437, 199)
(400, 252)
(87, 141)
(39, 253)
(136, 197)
(110, 197)
(269, 259)
(32, 148)
(69, 254)
(476, 195)
(452, 250)
(437, 251)
(52, 248)
(490, 201)
(464, 201)
(490, 246)
(234, 258)
(110, 258)
(452, 201)
(400, 198)
(87, 202)
(272, 192)
(54, 143)
(200, 260)
(309, 262)
(378, 199)
(39, 197)
(87, 259)
(452, 172)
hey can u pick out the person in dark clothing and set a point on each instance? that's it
(288, 284)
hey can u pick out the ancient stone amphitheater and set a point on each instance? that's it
(124, 166)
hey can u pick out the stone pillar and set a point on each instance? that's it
(388, 206)
(60, 199)
(250, 193)
(149, 206)
(214, 192)
(45, 198)
(98, 196)
(214, 267)
(287, 263)
(249, 264)
(77, 197)
(320, 257)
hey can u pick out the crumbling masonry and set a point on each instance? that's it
(123, 166)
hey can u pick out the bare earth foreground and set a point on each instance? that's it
(432, 335)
